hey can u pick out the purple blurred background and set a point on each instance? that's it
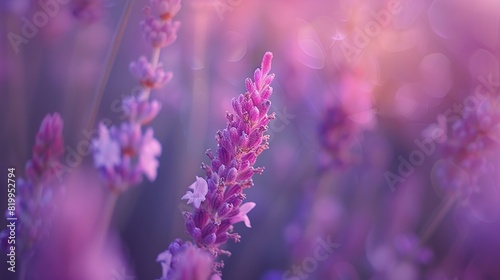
(358, 153)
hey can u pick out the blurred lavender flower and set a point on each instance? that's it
(184, 261)
(149, 76)
(470, 142)
(48, 147)
(400, 260)
(87, 10)
(408, 246)
(73, 250)
(159, 30)
(344, 122)
(158, 33)
(34, 197)
(108, 150)
(198, 193)
(123, 154)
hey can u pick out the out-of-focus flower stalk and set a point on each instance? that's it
(34, 196)
(124, 154)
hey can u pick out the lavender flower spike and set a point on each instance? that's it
(232, 166)
(34, 193)
(124, 154)
(48, 147)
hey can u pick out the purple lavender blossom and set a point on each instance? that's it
(107, 150)
(231, 169)
(34, 194)
(400, 260)
(409, 246)
(72, 248)
(48, 147)
(338, 136)
(184, 261)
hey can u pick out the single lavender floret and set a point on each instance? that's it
(199, 191)
(125, 153)
(48, 147)
(141, 111)
(148, 75)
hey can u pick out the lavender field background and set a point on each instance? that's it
(383, 159)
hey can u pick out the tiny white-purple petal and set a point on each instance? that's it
(199, 191)
(242, 215)
(106, 149)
